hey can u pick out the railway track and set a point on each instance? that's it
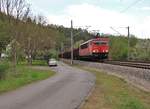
(143, 65)
(136, 64)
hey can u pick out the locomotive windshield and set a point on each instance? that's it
(84, 46)
(100, 43)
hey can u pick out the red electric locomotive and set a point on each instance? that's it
(97, 48)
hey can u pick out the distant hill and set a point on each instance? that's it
(40, 39)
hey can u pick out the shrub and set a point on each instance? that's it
(3, 68)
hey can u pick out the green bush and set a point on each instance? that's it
(118, 48)
(3, 68)
(39, 63)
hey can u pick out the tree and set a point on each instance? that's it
(15, 11)
(118, 48)
(133, 41)
(4, 35)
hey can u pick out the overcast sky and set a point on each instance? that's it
(99, 14)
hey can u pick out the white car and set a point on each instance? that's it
(52, 62)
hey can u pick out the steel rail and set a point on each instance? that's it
(142, 65)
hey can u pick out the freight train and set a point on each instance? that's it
(96, 48)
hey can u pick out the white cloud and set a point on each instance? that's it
(145, 8)
(144, 27)
(100, 19)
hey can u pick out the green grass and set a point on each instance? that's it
(114, 93)
(3, 68)
(39, 62)
(25, 75)
(35, 63)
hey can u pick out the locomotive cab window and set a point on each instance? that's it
(84, 46)
(101, 43)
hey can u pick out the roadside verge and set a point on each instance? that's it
(113, 92)
(25, 75)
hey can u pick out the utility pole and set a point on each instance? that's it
(128, 41)
(0, 6)
(71, 42)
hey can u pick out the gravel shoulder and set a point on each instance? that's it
(66, 90)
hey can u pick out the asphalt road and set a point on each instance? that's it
(66, 90)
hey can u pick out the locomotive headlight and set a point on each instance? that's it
(106, 50)
(94, 51)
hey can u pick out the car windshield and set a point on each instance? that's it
(52, 60)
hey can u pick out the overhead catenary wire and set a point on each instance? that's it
(115, 30)
(134, 3)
